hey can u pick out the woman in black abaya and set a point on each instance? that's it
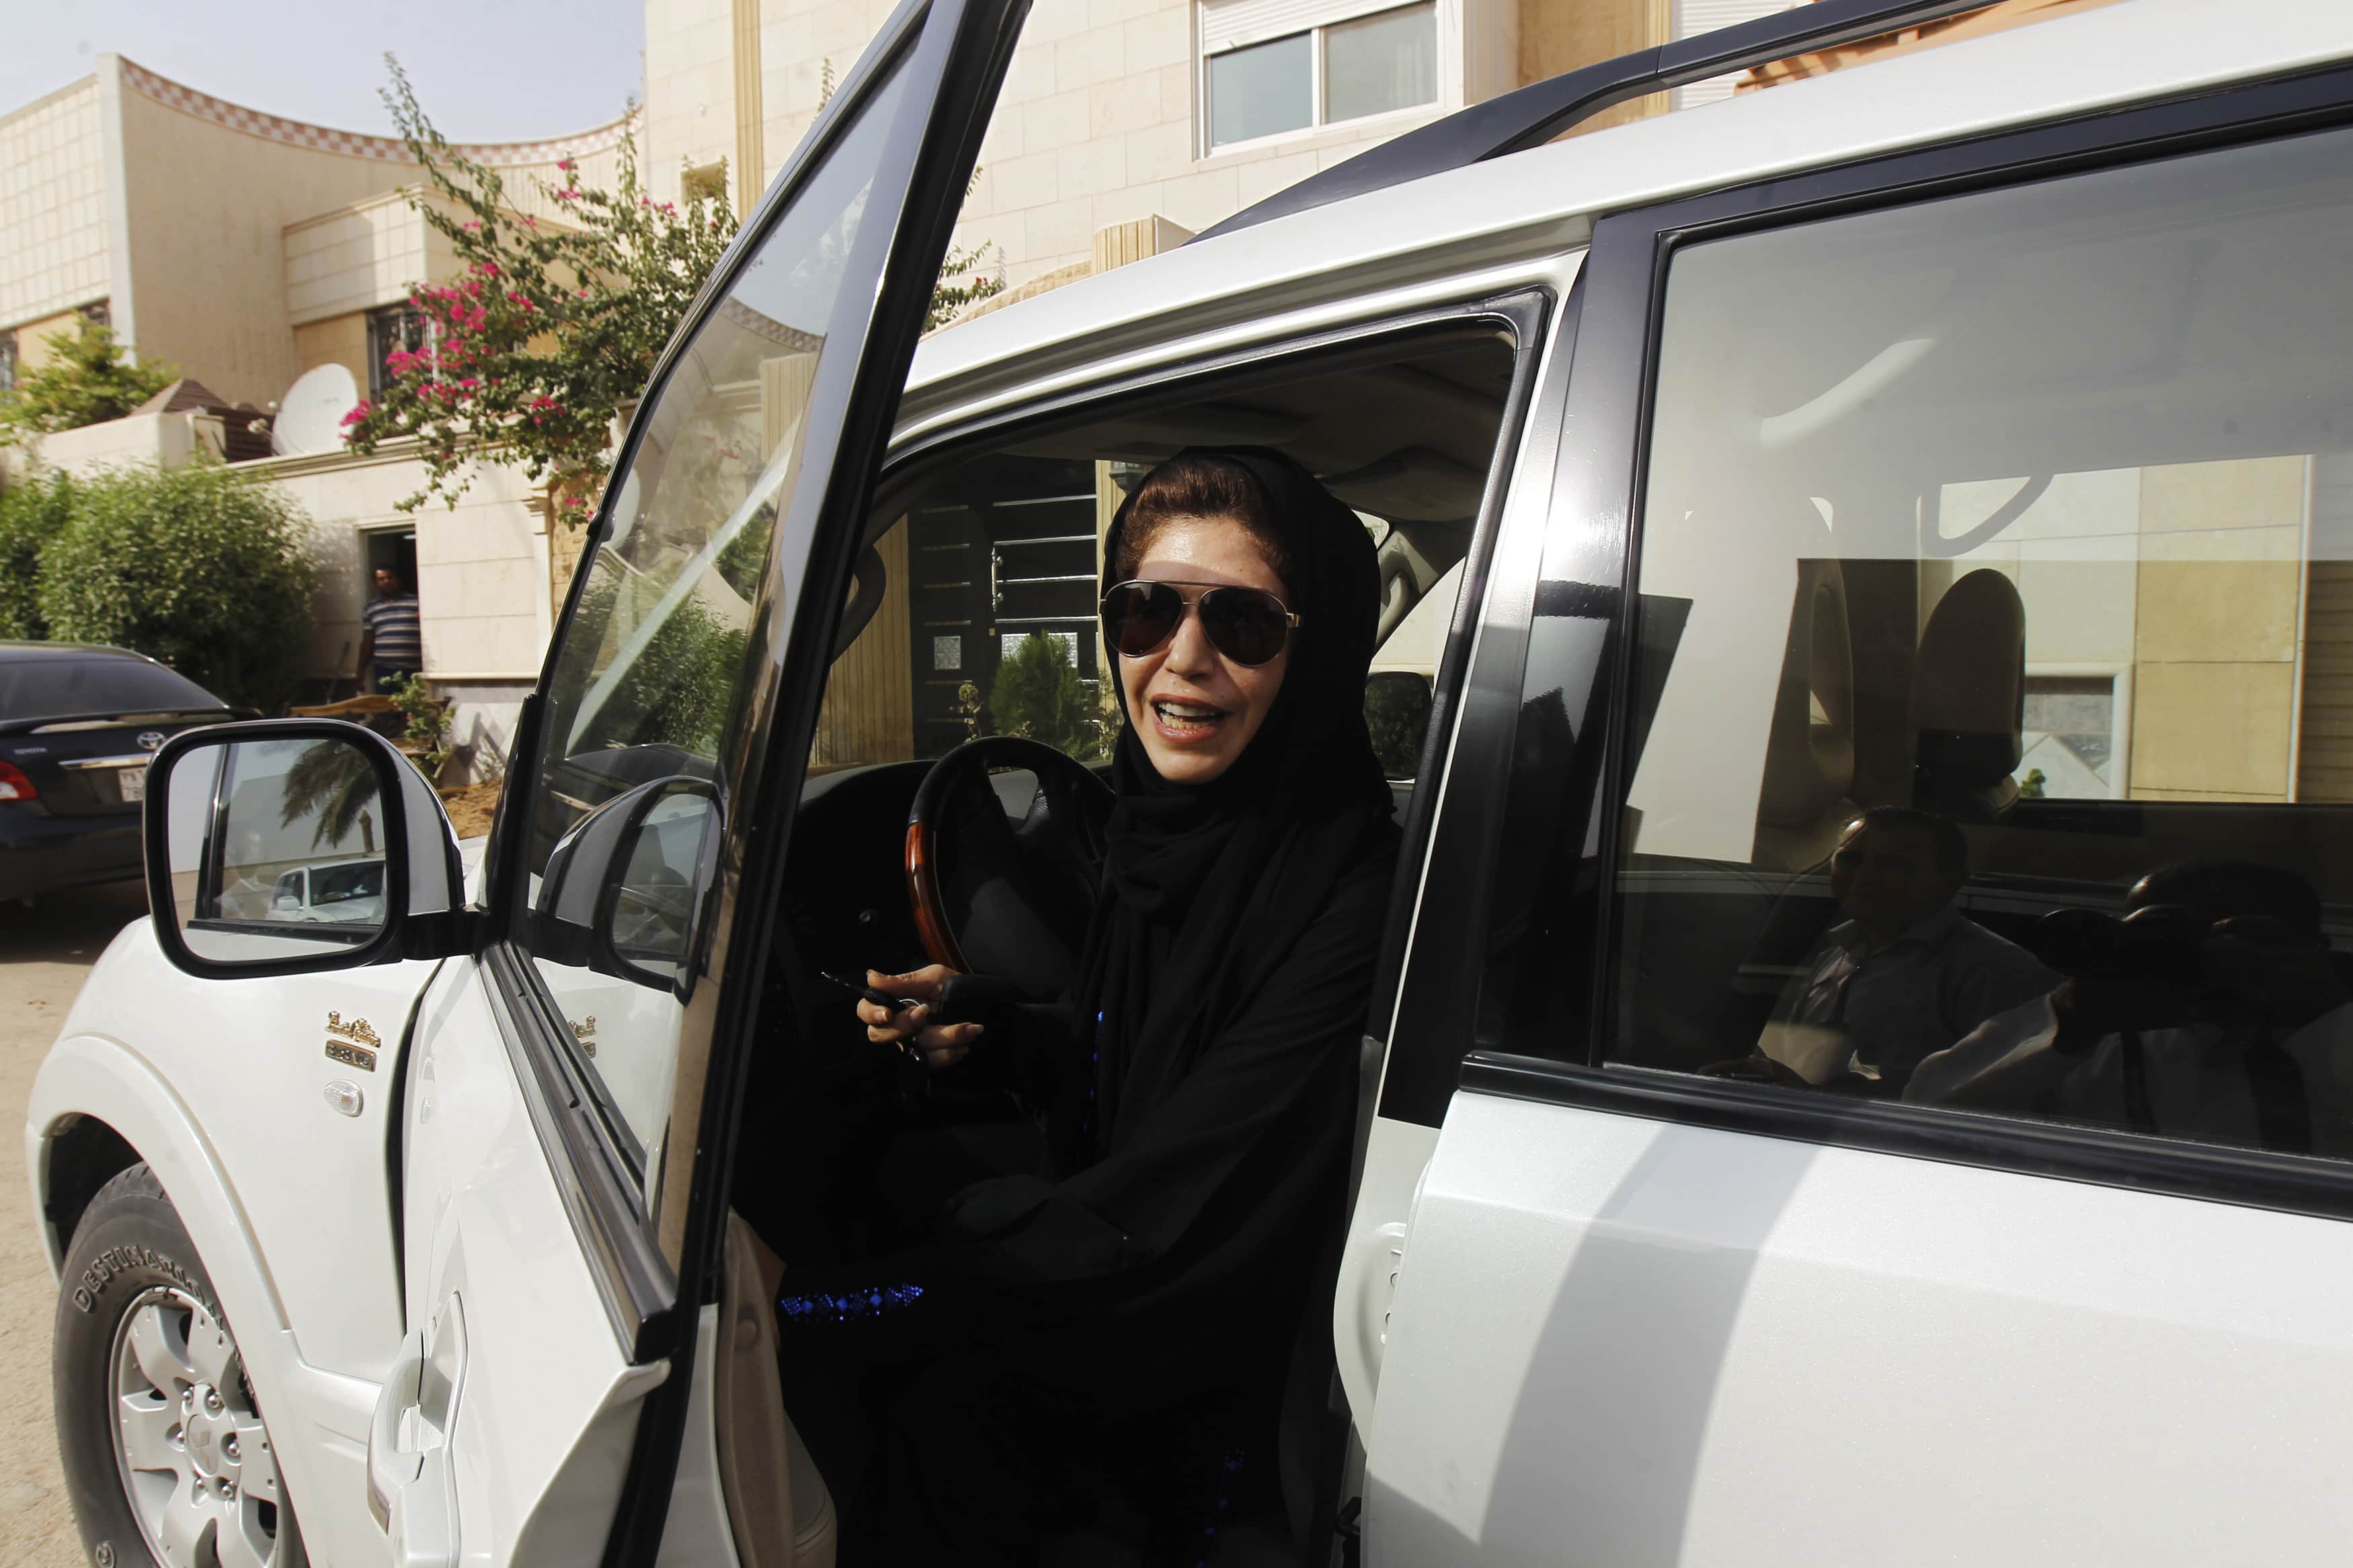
(1110, 1335)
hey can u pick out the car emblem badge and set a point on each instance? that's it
(361, 1051)
(150, 739)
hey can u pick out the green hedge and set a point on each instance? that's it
(31, 514)
(198, 566)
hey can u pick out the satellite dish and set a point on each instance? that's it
(311, 416)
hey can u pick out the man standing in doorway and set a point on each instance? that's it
(392, 646)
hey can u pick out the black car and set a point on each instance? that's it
(78, 722)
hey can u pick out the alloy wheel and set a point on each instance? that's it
(195, 1463)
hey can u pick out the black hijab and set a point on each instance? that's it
(1207, 888)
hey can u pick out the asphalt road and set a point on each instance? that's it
(45, 953)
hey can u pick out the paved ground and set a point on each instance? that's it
(44, 953)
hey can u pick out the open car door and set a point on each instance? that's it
(568, 1116)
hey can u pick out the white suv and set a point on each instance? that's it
(1963, 444)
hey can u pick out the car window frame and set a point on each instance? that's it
(1531, 316)
(1590, 571)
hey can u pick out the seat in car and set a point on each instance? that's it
(1968, 700)
(1802, 804)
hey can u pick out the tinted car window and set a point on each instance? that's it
(85, 688)
(1995, 563)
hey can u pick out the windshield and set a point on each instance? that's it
(975, 608)
(332, 884)
(88, 688)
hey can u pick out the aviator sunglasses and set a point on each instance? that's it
(1248, 625)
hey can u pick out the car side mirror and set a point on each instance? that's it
(1396, 713)
(232, 808)
(626, 891)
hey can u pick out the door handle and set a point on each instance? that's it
(389, 1470)
(410, 1489)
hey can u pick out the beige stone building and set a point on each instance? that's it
(246, 249)
(2182, 643)
(1116, 114)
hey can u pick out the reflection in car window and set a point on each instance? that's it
(52, 688)
(650, 679)
(278, 833)
(976, 614)
(1994, 560)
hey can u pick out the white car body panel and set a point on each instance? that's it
(697, 1532)
(542, 1435)
(623, 1026)
(318, 1417)
(1624, 1341)
(1397, 1155)
(310, 1182)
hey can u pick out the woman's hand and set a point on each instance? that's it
(940, 1045)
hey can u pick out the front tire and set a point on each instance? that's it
(166, 1459)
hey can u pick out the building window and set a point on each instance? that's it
(8, 362)
(98, 315)
(704, 183)
(393, 329)
(1267, 70)
(2068, 740)
(1693, 17)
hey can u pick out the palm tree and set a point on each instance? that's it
(335, 783)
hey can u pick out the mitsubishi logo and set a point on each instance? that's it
(150, 739)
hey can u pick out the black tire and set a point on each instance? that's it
(130, 1253)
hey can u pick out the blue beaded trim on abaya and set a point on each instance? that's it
(826, 1307)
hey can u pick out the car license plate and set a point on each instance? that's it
(134, 784)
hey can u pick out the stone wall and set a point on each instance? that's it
(53, 230)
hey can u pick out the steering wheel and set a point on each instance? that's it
(1002, 872)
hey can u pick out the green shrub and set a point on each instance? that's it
(31, 514)
(87, 381)
(197, 566)
(1038, 695)
(679, 690)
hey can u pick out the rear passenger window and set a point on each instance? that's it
(1995, 658)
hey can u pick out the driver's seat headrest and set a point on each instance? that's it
(1802, 805)
(1968, 698)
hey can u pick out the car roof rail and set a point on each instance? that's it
(1530, 116)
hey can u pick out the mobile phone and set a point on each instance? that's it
(880, 998)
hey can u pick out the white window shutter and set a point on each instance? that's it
(1232, 24)
(1693, 17)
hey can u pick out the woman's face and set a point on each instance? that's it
(1196, 710)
